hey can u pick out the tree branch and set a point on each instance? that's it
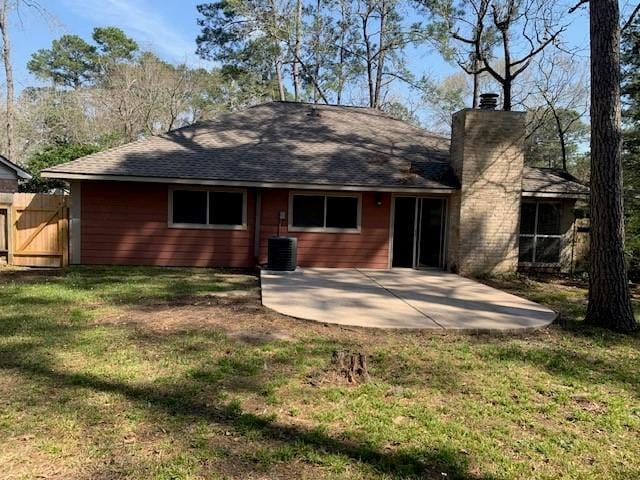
(578, 5)
(631, 18)
(541, 47)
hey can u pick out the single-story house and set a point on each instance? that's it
(10, 174)
(356, 187)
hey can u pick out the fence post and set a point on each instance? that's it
(64, 235)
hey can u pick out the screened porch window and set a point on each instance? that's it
(540, 235)
(207, 208)
(324, 212)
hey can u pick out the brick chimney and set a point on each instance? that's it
(487, 155)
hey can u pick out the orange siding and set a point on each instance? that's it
(367, 249)
(125, 223)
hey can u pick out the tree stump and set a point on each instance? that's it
(351, 365)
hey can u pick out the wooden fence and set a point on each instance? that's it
(39, 230)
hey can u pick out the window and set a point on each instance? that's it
(226, 208)
(540, 237)
(342, 212)
(207, 209)
(189, 206)
(308, 211)
(324, 212)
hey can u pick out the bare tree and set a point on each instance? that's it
(560, 92)
(345, 17)
(274, 26)
(476, 41)
(441, 98)
(296, 51)
(317, 47)
(131, 97)
(8, 9)
(8, 70)
(383, 41)
(499, 37)
(537, 26)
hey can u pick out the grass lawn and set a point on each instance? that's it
(181, 374)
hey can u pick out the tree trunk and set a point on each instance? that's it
(294, 69)
(382, 48)
(318, 47)
(277, 60)
(8, 69)
(341, 62)
(506, 84)
(476, 85)
(477, 54)
(506, 95)
(563, 142)
(351, 365)
(367, 44)
(609, 299)
(278, 67)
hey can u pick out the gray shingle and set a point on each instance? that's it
(282, 142)
(551, 180)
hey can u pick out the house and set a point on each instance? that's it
(357, 189)
(10, 174)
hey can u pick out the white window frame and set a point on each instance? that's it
(325, 229)
(535, 235)
(208, 226)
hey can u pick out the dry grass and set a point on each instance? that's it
(181, 374)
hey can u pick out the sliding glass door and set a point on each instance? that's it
(431, 232)
(419, 231)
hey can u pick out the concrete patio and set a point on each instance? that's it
(399, 298)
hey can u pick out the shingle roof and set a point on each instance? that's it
(20, 172)
(283, 142)
(551, 181)
(296, 143)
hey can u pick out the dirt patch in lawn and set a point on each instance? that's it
(240, 315)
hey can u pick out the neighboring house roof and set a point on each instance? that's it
(288, 144)
(20, 172)
(551, 182)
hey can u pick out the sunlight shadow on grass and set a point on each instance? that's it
(399, 464)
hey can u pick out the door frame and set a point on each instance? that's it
(445, 216)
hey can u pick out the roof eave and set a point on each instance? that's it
(237, 183)
(21, 173)
(538, 194)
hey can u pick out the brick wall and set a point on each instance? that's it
(487, 155)
(8, 185)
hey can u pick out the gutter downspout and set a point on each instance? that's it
(256, 230)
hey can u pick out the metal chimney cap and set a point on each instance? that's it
(488, 101)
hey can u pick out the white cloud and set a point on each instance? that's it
(143, 21)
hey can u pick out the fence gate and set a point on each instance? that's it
(40, 230)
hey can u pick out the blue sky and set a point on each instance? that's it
(169, 28)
